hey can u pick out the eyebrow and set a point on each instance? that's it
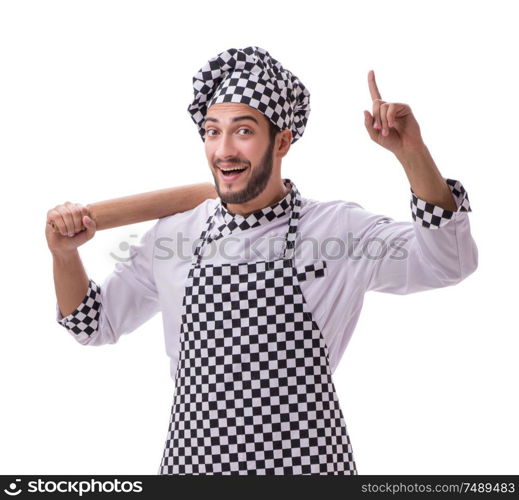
(235, 119)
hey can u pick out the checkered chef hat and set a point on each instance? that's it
(251, 76)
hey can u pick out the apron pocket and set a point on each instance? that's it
(316, 270)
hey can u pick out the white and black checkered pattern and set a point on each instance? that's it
(85, 319)
(251, 76)
(312, 271)
(433, 216)
(253, 387)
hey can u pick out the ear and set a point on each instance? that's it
(283, 141)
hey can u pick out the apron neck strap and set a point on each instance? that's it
(197, 255)
(290, 237)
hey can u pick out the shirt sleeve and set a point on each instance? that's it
(126, 299)
(435, 250)
(432, 216)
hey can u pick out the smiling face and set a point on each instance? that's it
(244, 156)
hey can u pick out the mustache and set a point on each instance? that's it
(232, 162)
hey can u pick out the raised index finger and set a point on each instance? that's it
(373, 89)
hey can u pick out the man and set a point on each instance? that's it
(255, 319)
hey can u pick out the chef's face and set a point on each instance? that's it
(238, 140)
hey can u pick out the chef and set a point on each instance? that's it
(261, 288)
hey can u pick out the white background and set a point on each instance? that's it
(94, 98)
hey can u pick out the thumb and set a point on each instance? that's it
(368, 122)
(89, 224)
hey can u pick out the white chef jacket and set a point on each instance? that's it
(363, 252)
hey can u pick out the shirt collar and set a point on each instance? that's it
(233, 222)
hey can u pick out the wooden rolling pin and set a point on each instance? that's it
(147, 206)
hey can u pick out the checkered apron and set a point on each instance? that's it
(253, 387)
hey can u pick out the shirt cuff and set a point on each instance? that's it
(85, 319)
(432, 216)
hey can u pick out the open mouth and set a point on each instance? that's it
(231, 173)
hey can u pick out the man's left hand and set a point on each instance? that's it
(392, 125)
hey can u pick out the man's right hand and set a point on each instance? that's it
(74, 227)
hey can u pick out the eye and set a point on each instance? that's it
(208, 131)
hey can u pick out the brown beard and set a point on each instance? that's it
(256, 184)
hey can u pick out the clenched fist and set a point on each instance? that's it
(73, 224)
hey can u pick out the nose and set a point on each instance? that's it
(226, 148)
